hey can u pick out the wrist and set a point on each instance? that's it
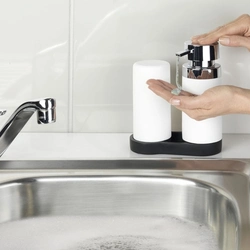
(242, 101)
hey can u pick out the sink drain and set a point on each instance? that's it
(125, 242)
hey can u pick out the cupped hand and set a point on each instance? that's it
(234, 34)
(220, 100)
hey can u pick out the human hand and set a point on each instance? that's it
(233, 34)
(220, 100)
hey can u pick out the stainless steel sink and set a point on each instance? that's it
(125, 204)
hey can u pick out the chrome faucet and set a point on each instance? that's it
(46, 113)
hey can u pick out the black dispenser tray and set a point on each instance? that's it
(175, 146)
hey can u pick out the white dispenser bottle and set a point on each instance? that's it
(151, 113)
(198, 75)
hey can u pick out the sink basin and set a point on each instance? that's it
(145, 204)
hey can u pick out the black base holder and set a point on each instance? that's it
(175, 146)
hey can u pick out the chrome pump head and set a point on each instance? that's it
(201, 64)
(200, 55)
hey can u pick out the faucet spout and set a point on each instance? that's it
(46, 113)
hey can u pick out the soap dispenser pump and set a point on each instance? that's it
(199, 74)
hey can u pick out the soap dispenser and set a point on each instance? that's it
(197, 138)
(199, 74)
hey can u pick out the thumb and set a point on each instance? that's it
(187, 102)
(235, 41)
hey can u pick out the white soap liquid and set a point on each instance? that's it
(103, 233)
(177, 90)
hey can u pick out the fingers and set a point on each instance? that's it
(235, 33)
(207, 38)
(161, 88)
(196, 107)
(213, 102)
(236, 41)
(187, 102)
(166, 85)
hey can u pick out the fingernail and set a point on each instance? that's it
(175, 102)
(224, 40)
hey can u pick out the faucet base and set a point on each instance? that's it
(175, 146)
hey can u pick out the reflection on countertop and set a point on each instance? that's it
(68, 146)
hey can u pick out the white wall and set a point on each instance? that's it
(81, 52)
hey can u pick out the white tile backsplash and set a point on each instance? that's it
(34, 56)
(108, 36)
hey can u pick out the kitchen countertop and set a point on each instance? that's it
(88, 146)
